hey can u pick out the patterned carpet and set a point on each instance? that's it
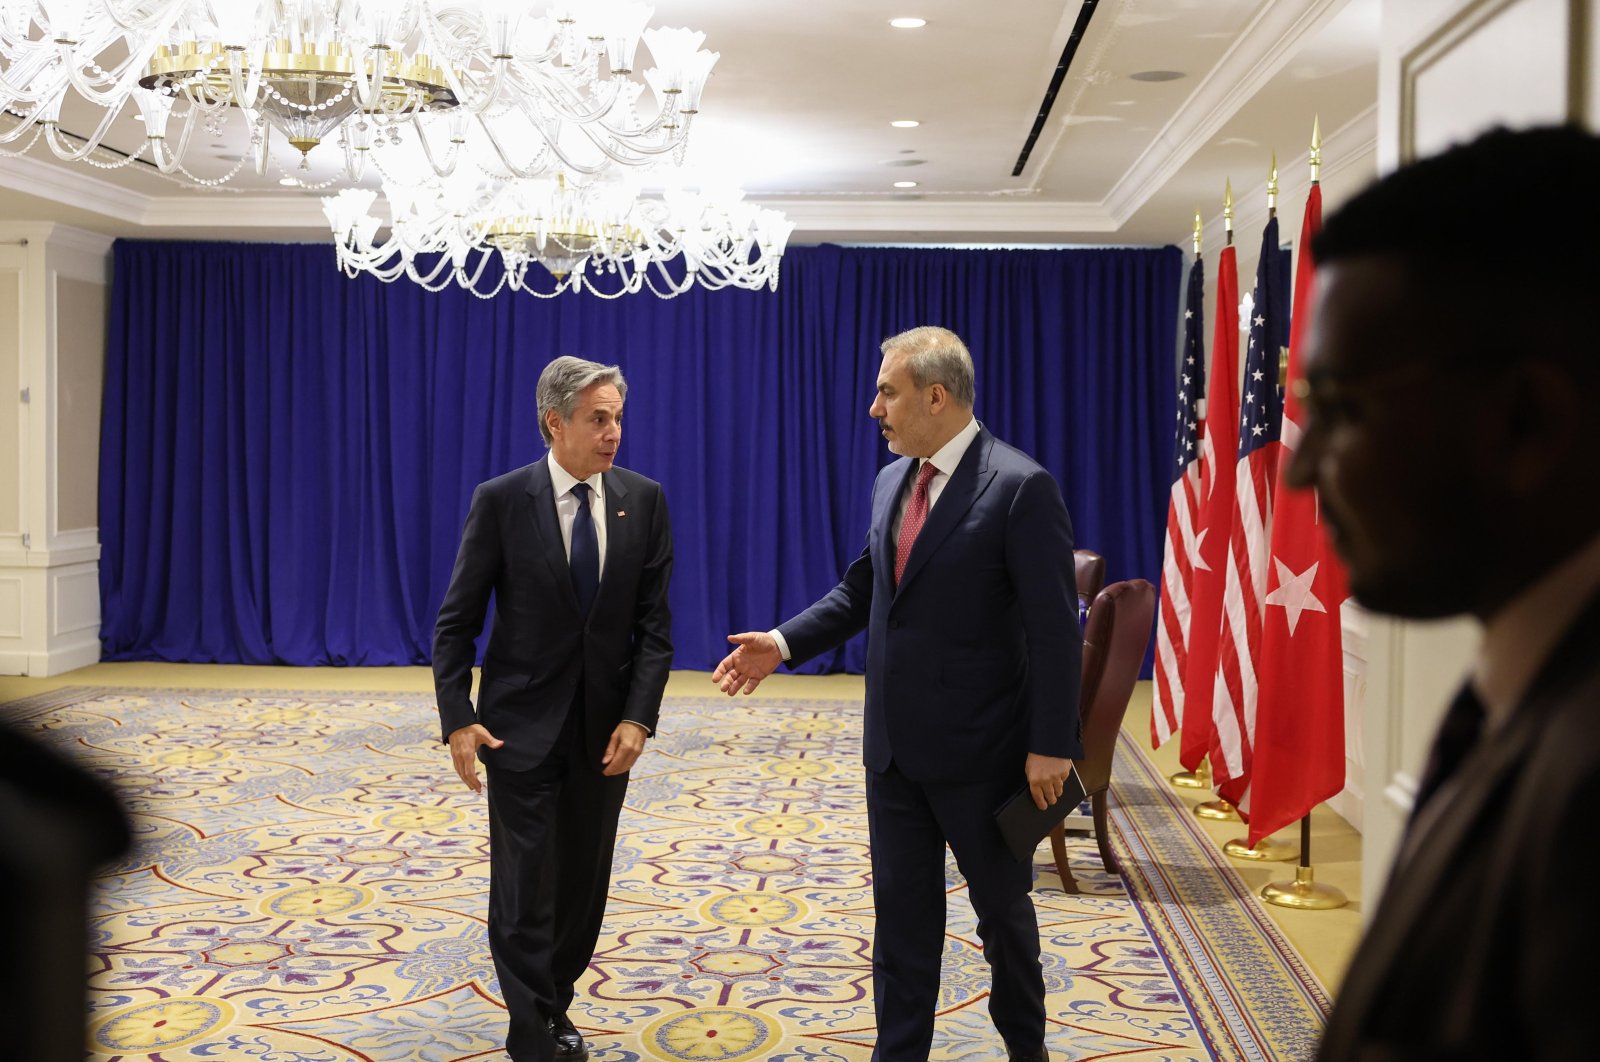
(310, 884)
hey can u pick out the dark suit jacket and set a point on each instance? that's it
(973, 662)
(540, 648)
(1484, 944)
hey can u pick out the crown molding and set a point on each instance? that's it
(298, 214)
(956, 217)
(1274, 36)
(70, 186)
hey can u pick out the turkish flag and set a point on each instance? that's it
(1218, 458)
(1299, 742)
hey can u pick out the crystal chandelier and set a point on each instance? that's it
(553, 91)
(543, 236)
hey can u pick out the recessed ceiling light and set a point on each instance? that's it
(905, 162)
(288, 182)
(137, 116)
(1158, 75)
(908, 23)
(905, 184)
(905, 123)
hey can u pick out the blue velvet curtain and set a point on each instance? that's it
(287, 455)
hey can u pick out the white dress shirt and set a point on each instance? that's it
(1519, 639)
(944, 461)
(562, 482)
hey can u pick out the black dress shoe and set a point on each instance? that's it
(1037, 1054)
(569, 1041)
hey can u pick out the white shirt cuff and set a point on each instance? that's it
(783, 646)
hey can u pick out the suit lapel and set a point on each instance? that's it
(885, 503)
(1414, 885)
(547, 531)
(1488, 774)
(970, 479)
(622, 535)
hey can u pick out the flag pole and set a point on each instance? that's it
(1304, 893)
(1220, 810)
(1200, 777)
(1268, 849)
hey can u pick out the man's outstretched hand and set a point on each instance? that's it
(755, 656)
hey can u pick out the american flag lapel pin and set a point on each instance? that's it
(621, 513)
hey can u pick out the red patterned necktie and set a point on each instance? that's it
(916, 515)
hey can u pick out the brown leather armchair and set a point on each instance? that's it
(1114, 643)
(1090, 569)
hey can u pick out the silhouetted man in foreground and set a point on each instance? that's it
(1453, 402)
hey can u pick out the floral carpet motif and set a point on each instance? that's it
(310, 882)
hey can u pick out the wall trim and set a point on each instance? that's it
(53, 662)
(1266, 46)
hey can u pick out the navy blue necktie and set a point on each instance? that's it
(1458, 733)
(585, 558)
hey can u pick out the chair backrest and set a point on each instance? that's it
(1090, 569)
(1114, 644)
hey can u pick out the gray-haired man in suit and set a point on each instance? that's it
(578, 554)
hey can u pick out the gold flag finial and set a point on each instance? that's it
(1316, 149)
(1227, 208)
(1272, 188)
(1197, 233)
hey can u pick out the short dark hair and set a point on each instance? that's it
(1503, 231)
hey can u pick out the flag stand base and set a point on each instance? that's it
(1304, 893)
(1192, 779)
(1220, 810)
(1267, 850)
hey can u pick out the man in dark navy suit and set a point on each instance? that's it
(967, 592)
(578, 554)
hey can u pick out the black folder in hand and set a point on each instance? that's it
(1023, 825)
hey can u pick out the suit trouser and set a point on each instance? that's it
(552, 830)
(909, 824)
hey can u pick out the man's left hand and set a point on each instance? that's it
(627, 741)
(1047, 776)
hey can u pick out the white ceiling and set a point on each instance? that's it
(798, 110)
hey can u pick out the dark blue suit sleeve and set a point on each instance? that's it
(1039, 563)
(652, 624)
(462, 613)
(839, 616)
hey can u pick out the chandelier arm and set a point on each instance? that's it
(246, 90)
(159, 21)
(121, 78)
(536, 168)
(61, 150)
(489, 93)
(24, 122)
(449, 166)
(674, 289)
(567, 103)
(168, 161)
(23, 150)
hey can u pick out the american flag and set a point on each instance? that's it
(1235, 695)
(1177, 567)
